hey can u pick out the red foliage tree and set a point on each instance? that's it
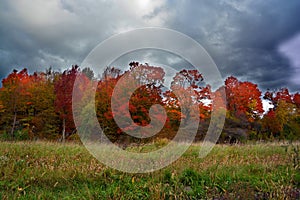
(243, 98)
(146, 79)
(63, 103)
(104, 93)
(15, 95)
(187, 90)
(271, 123)
(296, 99)
(275, 97)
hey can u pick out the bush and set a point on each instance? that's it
(19, 135)
(75, 138)
(4, 136)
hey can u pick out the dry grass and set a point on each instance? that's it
(43, 170)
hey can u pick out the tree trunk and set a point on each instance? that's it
(64, 131)
(14, 125)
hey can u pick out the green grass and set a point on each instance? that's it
(41, 170)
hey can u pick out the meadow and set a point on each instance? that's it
(47, 170)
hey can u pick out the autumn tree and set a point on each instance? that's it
(243, 99)
(138, 90)
(41, 103)
(296, 99)
(88, 72)
(186, 90)
(41, 109)
(63, 88)
(143, 83)
(104, 91)
(274, 97)
(15, 97)
(149, 80)
(282, 120)
(2, 111)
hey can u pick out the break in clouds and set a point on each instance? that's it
(252, 40)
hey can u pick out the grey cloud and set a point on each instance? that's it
(291, 50)
(241, 36)
(39, 34)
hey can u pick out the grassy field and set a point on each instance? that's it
(41, 170)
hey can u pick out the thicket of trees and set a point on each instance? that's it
(39, 105)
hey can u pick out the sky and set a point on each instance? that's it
(256, 41)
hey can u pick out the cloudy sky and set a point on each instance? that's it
(254, 40)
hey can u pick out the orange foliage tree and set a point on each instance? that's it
(243, 99)
(15, 96)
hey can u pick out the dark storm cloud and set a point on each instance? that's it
(243, 37)
(38, 34)
(291, 50)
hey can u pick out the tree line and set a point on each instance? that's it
(39, 105)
